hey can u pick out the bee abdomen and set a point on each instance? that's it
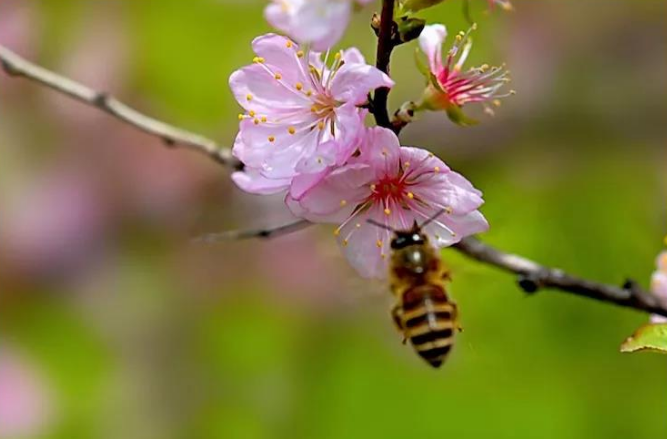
(429, 325)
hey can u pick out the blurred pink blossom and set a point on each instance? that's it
(17, 26)
(320, 23)
(25, 406)
(50, 225)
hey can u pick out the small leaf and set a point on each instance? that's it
(650, 337)
(422, 66)
(409, 28)
(457, 116)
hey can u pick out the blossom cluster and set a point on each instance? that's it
(302, 133)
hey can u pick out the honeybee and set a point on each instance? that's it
(423, 312)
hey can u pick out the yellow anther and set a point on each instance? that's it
(343, 203)
(384, 151)
(291, 130)
(263, 118)
(406, 164)
(256, 121)
(378, 243)
(336, 232)
(319, 160)
(474, 26)
(309, 93)
(288, 43)
(272, 139)
(411, 195)
(373, 187)
(251, 113)
(313, 108)
(496, 102)
(383, 256)
(437, 169)
(387, 211)
(248, 97)
(358, 225)
(337, 55)
(299, 86)
(345, 241)
(258, 59)
(241, 116)
(300, 54)
(320, 125)
(278, 76)
(448, 210)
(430, 155)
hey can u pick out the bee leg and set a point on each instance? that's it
(455, 317)
(397, 315)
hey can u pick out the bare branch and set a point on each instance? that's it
(172, 136)
(383, 57)
(267, 233)
(533, 276)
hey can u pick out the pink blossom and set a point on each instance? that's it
(24, 400)
(395, 186)
(659, 285)
(503, 4)
(449, 87)
(302, 115)
(320, 23)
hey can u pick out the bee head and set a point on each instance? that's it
(407, 238)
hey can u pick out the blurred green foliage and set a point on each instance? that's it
(576, 182)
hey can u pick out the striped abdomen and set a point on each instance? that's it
(428, 320)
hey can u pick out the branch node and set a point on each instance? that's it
(101, 99)
(9, 69)
(529, 283)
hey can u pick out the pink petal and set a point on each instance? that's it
(256, 89)
(430, 41)
(381, 149)
(354, 81)
(280, 56)
(343, 188)
(358, 240)
(354, 56)
(252, 181)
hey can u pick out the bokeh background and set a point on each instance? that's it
(113, 324)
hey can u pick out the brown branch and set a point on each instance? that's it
(532, 276)
(386, 44)
(172, 136)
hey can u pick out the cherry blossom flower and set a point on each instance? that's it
(395, 186)
(449, 86)
(659, 285)
(301, 115)
(320, 23)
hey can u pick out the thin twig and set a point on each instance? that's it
(266, 233)
(383, 57)
(14, 65)
(532, 276)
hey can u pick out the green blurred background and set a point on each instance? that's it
(113, 324)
